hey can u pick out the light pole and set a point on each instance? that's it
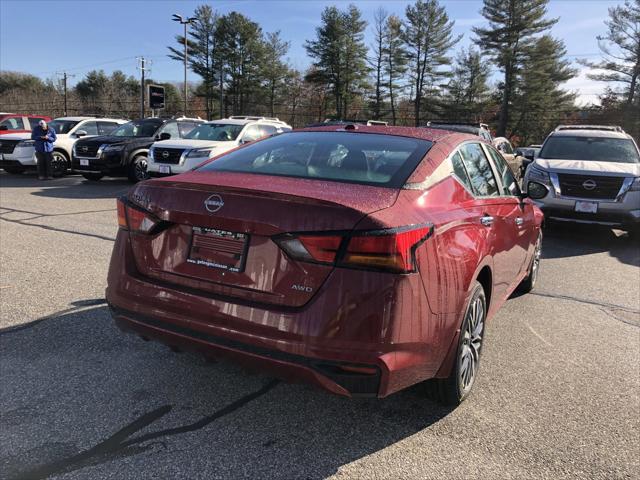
(185, 22)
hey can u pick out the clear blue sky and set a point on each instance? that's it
(44, 37)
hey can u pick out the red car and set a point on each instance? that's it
(19, 123)
(361, 259)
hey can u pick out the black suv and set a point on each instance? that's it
(124, 152)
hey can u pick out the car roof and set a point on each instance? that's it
(243, 121)
(583, 132)
(76, 119)
(421, 133)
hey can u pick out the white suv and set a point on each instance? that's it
(169, 157)
(19, 154)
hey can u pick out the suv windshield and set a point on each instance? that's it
(136, 129)
(596, 149)
(215, 132)
(62, 126)
(368, 159)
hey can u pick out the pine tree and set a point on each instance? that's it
(394, 59)
(377, 60)
(241, 45)
(202, 52)
(540, 103)
(428, 37)
(468, 91)
(274, 70)
(339, 55)
(621, 50)
(511, 30)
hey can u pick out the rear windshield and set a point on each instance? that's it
(368, 159)
(136, 129)
(215, 131)
(62, 126)
(596, 149)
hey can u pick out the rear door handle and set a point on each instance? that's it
(519, 221)
(486, 220)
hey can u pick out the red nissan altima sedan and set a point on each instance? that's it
(360, 259)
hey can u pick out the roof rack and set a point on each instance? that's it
(377, 122)
(467, 124)
(250, 117)
(606, 128)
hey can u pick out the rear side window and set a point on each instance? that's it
(90, 127)
(460, 171)
(12, 123)
(186, 127)
(479, 170)
(171, 128)
(267, 130)
(368, 159)
(105, 128)
(33, 121)
(252, 133)
(508, 180)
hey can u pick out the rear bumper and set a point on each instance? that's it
(323, 373)
(389, 332)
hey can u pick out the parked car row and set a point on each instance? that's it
(18, 152)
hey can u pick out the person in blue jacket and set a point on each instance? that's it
(44, 136)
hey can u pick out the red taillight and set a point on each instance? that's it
(321, 248)
(122, 214)
(134, 219)
(392, 249)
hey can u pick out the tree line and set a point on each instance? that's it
(413, 71)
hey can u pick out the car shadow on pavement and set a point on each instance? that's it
(70, 186)
(79, 395)
(573, 240)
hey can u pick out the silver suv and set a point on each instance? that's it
(588, 174)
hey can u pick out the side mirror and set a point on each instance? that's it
(536, 190)
(81, 133)
(165, 136)
(4, 127)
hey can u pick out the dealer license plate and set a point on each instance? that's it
(165, 168)
(84, 162)
(587, 207)
(218, 249)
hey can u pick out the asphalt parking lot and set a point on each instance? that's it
(558, 394)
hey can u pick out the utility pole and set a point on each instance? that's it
(185, 22)
(142, 65)
(65, 77)
(64, 83)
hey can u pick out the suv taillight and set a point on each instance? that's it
(135, 219)
(390, 249)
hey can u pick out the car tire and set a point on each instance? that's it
(453, 390)
(59, 164)
(14, 170)
(93, 177)
(529, 282)
(138, 169)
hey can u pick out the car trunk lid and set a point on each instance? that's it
(218, 229)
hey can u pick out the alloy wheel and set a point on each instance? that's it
(535, 265)
(469, 356)
(140, 168)
(59, 164)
